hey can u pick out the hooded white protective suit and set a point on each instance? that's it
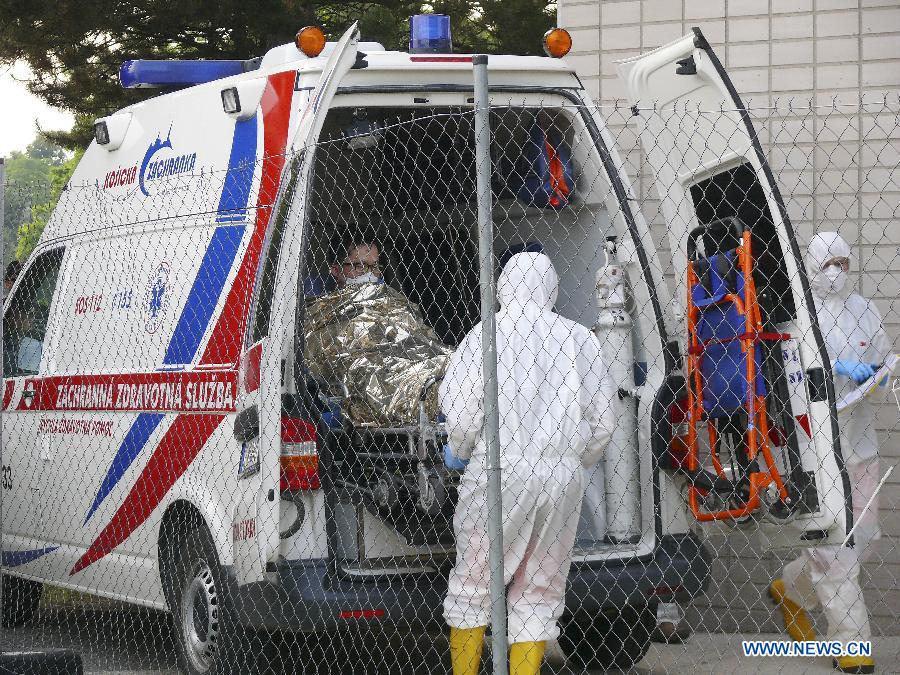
(851, 327)
(555, 418)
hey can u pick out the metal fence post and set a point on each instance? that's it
(2, 254)
(489, 348)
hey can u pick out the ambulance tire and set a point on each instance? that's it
(614, 639)
(210, 638)
(21, 598)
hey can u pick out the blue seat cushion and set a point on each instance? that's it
(723, 366)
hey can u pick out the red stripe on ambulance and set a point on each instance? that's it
(252, 362)
(9, 386)
(224, 344)
(174, 454)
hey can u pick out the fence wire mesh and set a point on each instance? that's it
(243, 409)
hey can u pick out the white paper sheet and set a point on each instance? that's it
(870, 385)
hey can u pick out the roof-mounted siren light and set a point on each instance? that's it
(110, 131)
(557, 42)
(429, 34)
(241, 101)
(174, 74)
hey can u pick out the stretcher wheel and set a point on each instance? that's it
(774, 509)
(712, 502)
(432, 492)
(385, 493)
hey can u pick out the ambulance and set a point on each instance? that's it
(164, 443)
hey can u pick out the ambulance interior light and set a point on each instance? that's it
(362, 133)
(429, 34)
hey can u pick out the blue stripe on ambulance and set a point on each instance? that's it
(203, 296)
(222, 249)
(131, 447)
(16, 558)
(239, 179)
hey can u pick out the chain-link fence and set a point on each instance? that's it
(255, 397)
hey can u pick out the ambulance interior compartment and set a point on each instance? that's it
(412, 189)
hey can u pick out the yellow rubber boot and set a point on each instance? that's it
(796, 620)
(525, 657)
(854, 664)
(465, 649)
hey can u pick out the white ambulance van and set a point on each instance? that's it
(164, 443)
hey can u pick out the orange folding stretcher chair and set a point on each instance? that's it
(726, 387)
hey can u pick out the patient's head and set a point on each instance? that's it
(356, 260)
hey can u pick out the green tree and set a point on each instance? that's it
(23, 169)
(75, 49)
(29, 231)
(44, 149)
(27, 183)
(29, 179)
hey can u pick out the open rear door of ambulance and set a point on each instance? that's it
(268, 418)
(714, 182)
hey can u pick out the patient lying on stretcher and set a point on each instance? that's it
(361, 332)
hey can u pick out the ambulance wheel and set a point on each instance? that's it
(209, 635)
(614, 639)
(21, 598)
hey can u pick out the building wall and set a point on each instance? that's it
(823, 78)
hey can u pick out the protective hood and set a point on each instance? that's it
(528, 279)
(823, 247)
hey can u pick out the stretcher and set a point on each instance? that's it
(397, 473)
(726, 386)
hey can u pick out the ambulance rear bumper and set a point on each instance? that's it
(307, 596)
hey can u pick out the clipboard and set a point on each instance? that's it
(878, 381)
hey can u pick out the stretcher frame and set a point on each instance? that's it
(398, 478)
(756, 435)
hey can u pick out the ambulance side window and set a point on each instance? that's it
(25, 321)
(266, 287)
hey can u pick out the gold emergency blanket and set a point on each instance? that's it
(373, 339)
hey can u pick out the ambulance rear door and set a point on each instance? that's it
(709, 167)
(262, 420)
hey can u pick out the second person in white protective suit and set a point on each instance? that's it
(555, 418)
(857, 346)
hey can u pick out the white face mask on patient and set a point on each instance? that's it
(367, 278)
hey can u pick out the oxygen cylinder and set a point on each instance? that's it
(621, 470)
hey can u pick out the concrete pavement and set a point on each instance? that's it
(122, 639)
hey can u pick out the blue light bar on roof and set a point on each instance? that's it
(147, 74)
(429, 34)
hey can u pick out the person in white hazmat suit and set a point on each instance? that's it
(857, 345)
(555, 418)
